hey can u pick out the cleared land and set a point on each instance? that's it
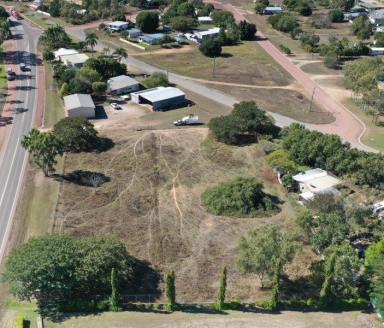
(247, 63)
(153, 203)
(231, 320)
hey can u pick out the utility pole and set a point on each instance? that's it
(313, 95)
(214, 64)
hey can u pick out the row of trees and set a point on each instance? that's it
(326, 151)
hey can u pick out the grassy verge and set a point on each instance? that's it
(54, 110)
(374, 136)
(25, 309)
(39, 19)
(3, 79)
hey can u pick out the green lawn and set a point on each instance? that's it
(3, 79)
(25, 309)
(374, 136)
(54, 108)
(39, 19)
(246, 63)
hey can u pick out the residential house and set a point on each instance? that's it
(122, 84)
(203, 35)
(117, 26)
(75, 60)
(272, 10)
(376, 17)
(63, 52)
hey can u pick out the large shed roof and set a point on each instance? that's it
(160, 94)
(121, 81)
(78, 100)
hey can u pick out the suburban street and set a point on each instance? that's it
(23, 104)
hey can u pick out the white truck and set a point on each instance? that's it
(190, 119)
(378, 209)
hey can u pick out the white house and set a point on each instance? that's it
(79, 105)
(75, 60)
(272, 10)
(314, 182)
(122, 84)
(63, 52)
(117, 26)
(205, 20)
(203, 35)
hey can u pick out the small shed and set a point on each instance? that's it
(205, 20)
(79, 105)
(161, 98)
(134, 32)
(75, 60)
(63, 52)
(117, 26)
(122, 84)
(272, 10)
(151, 38)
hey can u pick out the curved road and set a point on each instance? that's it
(13, 160)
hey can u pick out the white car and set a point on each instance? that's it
(116, 106)
(125, 97)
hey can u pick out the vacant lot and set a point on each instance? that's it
(153, 202)
(247, 63)
(290, 103)
(231, 320)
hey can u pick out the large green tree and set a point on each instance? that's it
(91, 40)
(58, 269)
(55, 37)
(77, 133)
(44, 148)
(362, 27)
(260, 249)
(148, 21)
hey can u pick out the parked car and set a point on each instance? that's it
(11, 75)
(187, 120)
(116, 106)
(24, 67)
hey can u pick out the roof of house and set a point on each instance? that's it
(152, 37)
(64, 51)
(160, 93)
(377, 14)
(134, 30)
(75, 58)
(273, 8)
(117, 24)
(205, 18)
(78, 100)
(211, 31)
(317, 180)
(120, 82)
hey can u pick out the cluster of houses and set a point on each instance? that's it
(160, 98)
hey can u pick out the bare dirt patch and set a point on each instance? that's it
(153, 203)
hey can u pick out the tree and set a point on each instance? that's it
(220, 298)
(120, 53)
(304, 9)
(275, 296)
(210, 47)
(279, 159)
(48, 55)
(107, 67)
(56, 270)
(91, 40)
(247, 30)
(44, 148)
(186, 9)
(55, 37)
(170, 291)
(325, 293)
(54, 8)
(373, 253)
(115, 297)
(77, 133)
(157, 79)
(3, 13)
(63, 90)
(119, 17)
(147, 21)
(331, 60)
(260, 249)
(183, 23)
(362, 27)
(283, 22)
(222, 18)
(243, 197)
(99, 88)
(336, 16)
(344, 5)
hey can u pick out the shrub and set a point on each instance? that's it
(283, 22)
(157, 79)
(336, 16)
(211, 47)
(241, 197)
(285, 49)
(19, 321)
(331, 60)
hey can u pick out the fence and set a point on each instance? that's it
(139, 298)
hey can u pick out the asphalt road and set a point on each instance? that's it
(14, 159)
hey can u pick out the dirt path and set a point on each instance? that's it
(347, 125)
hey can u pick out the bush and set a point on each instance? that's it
(304, 9)
(211, 47)
(283, 22)
(241, 197)
(285, 49)
(156, 79)
(336, 16)
(331, 60)
(48, 55)
(182, 23)
(19, 322)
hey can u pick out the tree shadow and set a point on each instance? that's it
(226, 55)
(84, 178)
(103, 144)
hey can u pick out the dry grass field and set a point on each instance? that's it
(153, 203)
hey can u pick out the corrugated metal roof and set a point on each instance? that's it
(117, 24)
(64, 52)
(160, 94)
(121, 81)
(75, 58)
(78, 100)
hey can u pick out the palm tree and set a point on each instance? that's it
(106, 51)
(91, 40)
(120, 53)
